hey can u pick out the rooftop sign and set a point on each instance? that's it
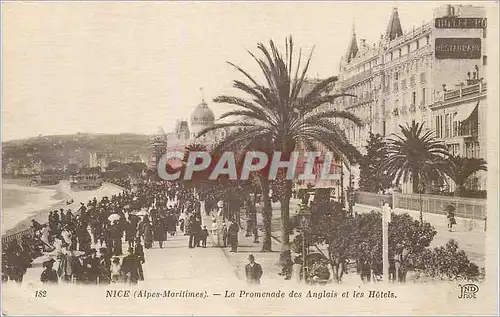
(460, 23)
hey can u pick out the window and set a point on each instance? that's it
(408, 48)
(383, 128)
(399, 52)
(391, 56)
(472, 149)
(438, 134)
(427, 39)
(422, 77)
(484, 60)
(447, 126)
(455, 125)
(413, 98)
(441, 126)
(418, 44)
(423, 96)
(397, 76)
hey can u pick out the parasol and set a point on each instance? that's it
(449, 208)
(141, 213)
(114, 217)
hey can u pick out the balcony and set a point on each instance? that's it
(395, 112)
(464, 91)
(412, 108)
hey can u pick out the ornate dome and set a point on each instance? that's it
(159, 136)
(202, 114)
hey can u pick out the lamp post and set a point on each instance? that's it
(386, 219)
(305, 221)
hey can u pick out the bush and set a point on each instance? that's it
(447, 263)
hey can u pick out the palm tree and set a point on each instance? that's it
(415, 155)
(461, 168)
(278, 114)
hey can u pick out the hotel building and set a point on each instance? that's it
(433, 74)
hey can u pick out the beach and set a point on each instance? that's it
(22, 203)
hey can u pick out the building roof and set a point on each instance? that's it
(202, 114)
(353, 49)
(394, 29)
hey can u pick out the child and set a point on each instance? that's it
(204, 236)
(116, 270)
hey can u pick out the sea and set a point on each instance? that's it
(20, 202)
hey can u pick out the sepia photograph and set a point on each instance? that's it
(249, 158)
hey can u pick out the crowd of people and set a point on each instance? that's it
(87, 245)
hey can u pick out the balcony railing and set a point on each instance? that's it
(465, 91)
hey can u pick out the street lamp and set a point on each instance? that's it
(305, 221)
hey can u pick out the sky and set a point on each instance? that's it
(115, 67)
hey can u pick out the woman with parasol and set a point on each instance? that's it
(451, 217)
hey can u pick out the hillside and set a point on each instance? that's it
(61, 150)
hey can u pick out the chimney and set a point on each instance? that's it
(451, 10)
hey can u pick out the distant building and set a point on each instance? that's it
(98, 160)
(186, 133)
(158, 147)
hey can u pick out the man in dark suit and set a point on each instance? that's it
(253, 271)
(130, 267)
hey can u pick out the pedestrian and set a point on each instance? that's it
(130, 267)
(49, 275)
(139, 252)
(253, 271)
(146, 230)
(116, 270)
(192, 230)
(204, 236)
(181, 225)
(104, 266)
(224, 234)
(451, 217)
(159, 230)
(92, 266)
(115, 237)
(130, 228)
(232, 236)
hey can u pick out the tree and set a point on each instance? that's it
(372, 177)
(279, 114)
(447, 263)
(415, 155)
(461, 168)
(360, 238)
(408, 238)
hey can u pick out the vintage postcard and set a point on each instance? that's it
(249, 158)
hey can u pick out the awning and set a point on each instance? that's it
(464, 111)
